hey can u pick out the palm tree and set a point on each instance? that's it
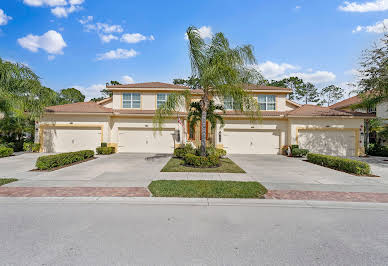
(195, 114)
(219, 72)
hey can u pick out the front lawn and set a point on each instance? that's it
(177, 165)
(206, 189)
(4, 181)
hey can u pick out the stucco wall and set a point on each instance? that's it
(382, 111)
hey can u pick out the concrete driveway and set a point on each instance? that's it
(121, 169)
(132, 170)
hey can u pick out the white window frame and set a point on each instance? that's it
(130, 101)
(266, 103)
(161, 102)
(228, 99)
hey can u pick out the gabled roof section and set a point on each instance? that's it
(320, 111)
(293, 103)
(82, 107)
(107, 100)
(265, 88)
(347, 102)
(147, 85)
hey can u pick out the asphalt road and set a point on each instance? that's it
(112, 233)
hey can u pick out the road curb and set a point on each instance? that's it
(197, 202)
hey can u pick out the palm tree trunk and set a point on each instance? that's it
(203, 133)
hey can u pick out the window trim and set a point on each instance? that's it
(232, 101)
(131, 100)
(267, 102)
(164, 93)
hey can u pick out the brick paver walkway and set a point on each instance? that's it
(327, 196)
(74, 192)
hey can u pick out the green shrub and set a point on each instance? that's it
(213, 151)
(296, 152)
(105, 150)
(5, 151)
(104, 144)
(35, 147)
(377, 150)
(338, 163)
(61, 159)
(202, 161)
(182, 151)
(294, 147)
(27, 146)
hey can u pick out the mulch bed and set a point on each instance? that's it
(63, 166)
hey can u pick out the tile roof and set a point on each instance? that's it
(263, 113)
(149, 85)
(107, 100)
(320, 111)
(346, 103)
(82, 107)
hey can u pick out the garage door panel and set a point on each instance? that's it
(71, 139)
(251, 141)
(142, 140)
(334, 142)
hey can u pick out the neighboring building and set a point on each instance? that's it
(381, 110)
(125, 122)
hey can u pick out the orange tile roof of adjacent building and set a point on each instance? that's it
(82, 107)
(148, 85)
(106, 100)
(346, 103)
(161, 85)
(315, 110)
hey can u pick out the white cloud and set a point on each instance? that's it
(63, 12)
(107, 38)
(45, 2)
(76, 2)
(84, 20)
(106, 28)
(271, 70)
(103, 30)
(127, 79)
(315, 77)
(4, 18)
(135, 38)
(379, 27)
(92, 91)
(377, 5)
(204, 32)
(50, 57)
(52, 42)
(297, 7)
(117, 54)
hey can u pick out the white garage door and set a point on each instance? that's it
(71, 139)
(251, 141)
(329, 142)
(142, 140)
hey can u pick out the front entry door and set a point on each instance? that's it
(194, 136)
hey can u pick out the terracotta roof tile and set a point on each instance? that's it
(82, 107)
(316, 111)
(346, 103)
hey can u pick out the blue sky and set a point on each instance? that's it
(85, 43)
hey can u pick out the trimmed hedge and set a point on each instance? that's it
(377, 150)
(201, 161)
(62, 159)
(5, 151)
(31, 147)
(105, 150)
(182, 151)
(338, 163)
(296, 152)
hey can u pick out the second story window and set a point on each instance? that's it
(161, 98)
(372, 110)
(267, 102)
(131, 100)
(229, 103)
